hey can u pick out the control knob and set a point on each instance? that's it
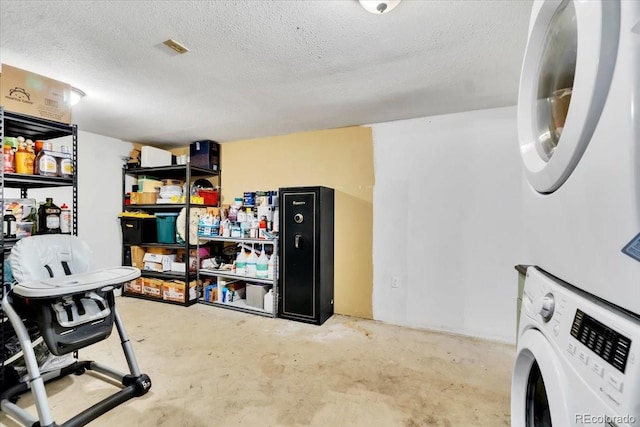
(546, 307)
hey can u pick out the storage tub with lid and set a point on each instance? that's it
(166, 226)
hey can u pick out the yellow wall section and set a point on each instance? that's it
(338, 158)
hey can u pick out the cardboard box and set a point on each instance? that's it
(159, 250)
(148, 185)
(137, 257)
(134, 286)
(158, 262)
(210, 293)
(179, 267)
(205, 154)
(35, 95)
(173, 290)
(147, 198)
(152, 287)
(230, 292)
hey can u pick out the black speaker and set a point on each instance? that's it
(305, 283)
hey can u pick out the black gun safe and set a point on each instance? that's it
(305, 283)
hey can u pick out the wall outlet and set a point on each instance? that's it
(395, 282)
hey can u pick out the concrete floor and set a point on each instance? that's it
(216, 367)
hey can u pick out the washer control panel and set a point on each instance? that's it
(609, 345)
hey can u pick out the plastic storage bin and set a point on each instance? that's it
(138, 230)
(256, 293)
(210, 196)
(166, 226)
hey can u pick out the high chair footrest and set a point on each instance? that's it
(80, 338)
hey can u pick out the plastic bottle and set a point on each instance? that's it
(253, 230)
(252, 261)
(31, 157)
(33, 219)
(244, 229)
(262, 265)
(226, 228)
(65, 219)
(271, 266)
(49, 217)
(241, 216)
(39, 214)
(233, 213)
(8, 153)
(215, 229)
(268, 301)
(46, 164)
(37, 146)
(9, 225)
(262, 227)
(23, 159)
(220, 227)
(202, 226)
(65, 163)
(236, 230)
(241, 263)
(276, 220)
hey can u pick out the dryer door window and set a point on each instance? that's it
(566, 74)
(537, 412)
(555, 79)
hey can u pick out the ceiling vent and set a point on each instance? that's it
(176, 46)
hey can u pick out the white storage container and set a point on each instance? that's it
(152, 157)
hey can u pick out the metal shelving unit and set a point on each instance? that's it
(226, 274)
(183, 172)
(13, 124)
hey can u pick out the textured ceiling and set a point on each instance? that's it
(262, 68)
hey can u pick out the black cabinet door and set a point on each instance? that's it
(305, 285)
(299, 246)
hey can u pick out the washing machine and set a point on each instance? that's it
(578, 359)
(579, 134)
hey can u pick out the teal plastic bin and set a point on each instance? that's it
(166, 225)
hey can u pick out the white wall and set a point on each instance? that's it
(447, 222)
(99, 194)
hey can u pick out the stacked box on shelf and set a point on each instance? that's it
(134, 286)
(158, 262)
(152, 287)
(174, 290)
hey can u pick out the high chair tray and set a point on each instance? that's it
(76, 283)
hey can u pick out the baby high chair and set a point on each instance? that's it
(72, 308)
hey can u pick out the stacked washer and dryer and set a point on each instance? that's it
(578, 353)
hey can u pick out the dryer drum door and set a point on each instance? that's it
(538, 397)
(566, 74)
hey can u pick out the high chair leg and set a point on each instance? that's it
(36, 383)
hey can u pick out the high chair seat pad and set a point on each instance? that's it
(49, 255)
(76, 283)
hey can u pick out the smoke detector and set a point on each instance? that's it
(379, 7)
